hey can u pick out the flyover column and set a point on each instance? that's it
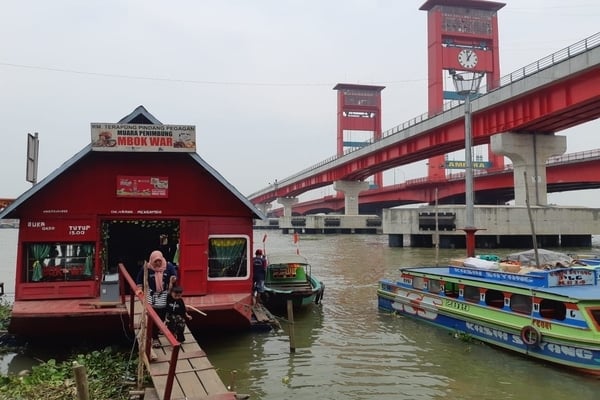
(351, 190)
(528, 153)
(287, 203)
(264, 207)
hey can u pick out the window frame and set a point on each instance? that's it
(247, 255)
(65, 268)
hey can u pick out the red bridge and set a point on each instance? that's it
(551, 95)
(575, 171)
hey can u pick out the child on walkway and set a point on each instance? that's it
(176, 313)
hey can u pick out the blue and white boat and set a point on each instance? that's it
(548, 314)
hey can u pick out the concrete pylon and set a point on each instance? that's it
(287, 203)
(351, 190)
(528, 153)
(264, 207)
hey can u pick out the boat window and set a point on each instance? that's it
(59, 262)
(451, 289)
(494, 298)
(418, 282)
(228, 257)
(520, 303)
(435, 286)
(471, 294)
(596, 315)
(553, 309)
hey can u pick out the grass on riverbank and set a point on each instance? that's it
(108, 373)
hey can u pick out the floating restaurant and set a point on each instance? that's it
(118, 199)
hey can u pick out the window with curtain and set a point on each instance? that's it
(59, 262)
(228, 257)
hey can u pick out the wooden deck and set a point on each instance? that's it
(195, 377)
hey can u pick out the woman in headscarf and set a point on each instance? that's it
(161, 275)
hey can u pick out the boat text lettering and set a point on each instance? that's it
(492, 275)
(569, 351)
(576, 277)
(542, 324)
(486, 331)
(456, 305)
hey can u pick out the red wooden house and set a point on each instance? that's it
(137, 187)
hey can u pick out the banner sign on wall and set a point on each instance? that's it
(143, 186)
(150, 138)
(463, 165)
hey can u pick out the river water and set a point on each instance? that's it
(347, 349)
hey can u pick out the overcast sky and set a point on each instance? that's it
(254, 77)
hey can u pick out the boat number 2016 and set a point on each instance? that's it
(457, 305)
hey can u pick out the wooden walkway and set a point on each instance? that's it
(195, 377)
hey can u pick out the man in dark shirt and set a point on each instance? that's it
(259, 271)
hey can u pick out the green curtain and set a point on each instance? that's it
(227, 252)
(39, 252)
(176, 256)
(88, 251)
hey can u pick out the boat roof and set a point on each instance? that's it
(286, 258)
(140, 116)
(539, 281)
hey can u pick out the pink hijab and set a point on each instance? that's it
(158, 268)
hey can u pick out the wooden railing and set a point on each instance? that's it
(153, 322)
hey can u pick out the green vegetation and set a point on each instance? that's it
(5, 309)
(106, 372)
(463, 337)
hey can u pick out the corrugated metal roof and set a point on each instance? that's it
(139, 112)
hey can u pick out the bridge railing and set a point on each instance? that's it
(530, 69)
(553, 59)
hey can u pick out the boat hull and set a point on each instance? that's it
(276, 297)
(446, 313)
(289, 278)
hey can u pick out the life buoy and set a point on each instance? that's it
(531, 336)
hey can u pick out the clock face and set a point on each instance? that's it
(467, 58)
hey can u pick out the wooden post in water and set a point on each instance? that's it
(290, 315)
(81, 382)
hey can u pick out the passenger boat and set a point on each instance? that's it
(289, 277)
(547, 314)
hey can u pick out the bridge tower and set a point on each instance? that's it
(462, 35)
(358, 109)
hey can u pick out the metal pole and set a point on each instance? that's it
(470, 223)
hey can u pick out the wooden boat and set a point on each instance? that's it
(547, 314)
(289, 277)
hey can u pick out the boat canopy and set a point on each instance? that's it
(546, 258)
(284, 258)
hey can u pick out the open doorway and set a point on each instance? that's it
(131, 241)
